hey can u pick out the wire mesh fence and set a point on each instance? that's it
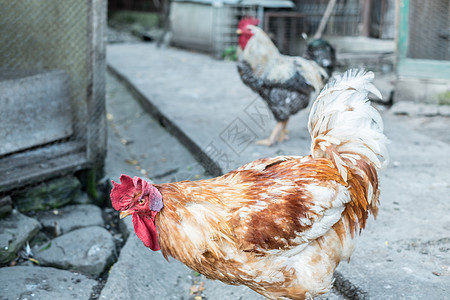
(52, 80)
(226, 19)
(429, 30)
(346, 19)
(285, 29)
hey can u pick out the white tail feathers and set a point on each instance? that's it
(344, 127)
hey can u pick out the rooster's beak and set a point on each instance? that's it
(238, 31)
(125, 213)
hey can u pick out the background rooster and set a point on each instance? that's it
(277, 225)
(284, 82)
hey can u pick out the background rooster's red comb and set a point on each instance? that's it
(121, 193)
(244, 22)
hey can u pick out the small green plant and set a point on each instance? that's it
(230, 53)
(444, 98)
(45, 247)
(134, 20)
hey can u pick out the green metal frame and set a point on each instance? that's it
(409, 67)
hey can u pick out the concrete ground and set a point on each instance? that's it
(404, 254)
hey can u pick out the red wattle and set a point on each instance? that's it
(145, 229)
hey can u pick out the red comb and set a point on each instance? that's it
(247, 21)
(122, 193)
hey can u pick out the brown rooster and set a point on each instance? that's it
(277, 225)
(284, 82)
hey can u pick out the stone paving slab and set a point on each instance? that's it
(70, 217)
(398, 255)
(43, 284)
(16, 230)
(88, 250)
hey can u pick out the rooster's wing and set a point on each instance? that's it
(285, 202)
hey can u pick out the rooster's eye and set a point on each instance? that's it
(141, 201)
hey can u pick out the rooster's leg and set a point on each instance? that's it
(273, 137)
(283, 134)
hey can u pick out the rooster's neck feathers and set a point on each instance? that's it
(260, 51)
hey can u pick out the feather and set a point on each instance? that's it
(343, 116)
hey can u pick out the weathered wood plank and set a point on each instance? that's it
(38, 172)
(35, 108)
(41, 154)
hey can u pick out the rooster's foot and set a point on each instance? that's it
(266, 142)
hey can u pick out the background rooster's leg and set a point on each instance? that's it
(284, 131)
(273, 137)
